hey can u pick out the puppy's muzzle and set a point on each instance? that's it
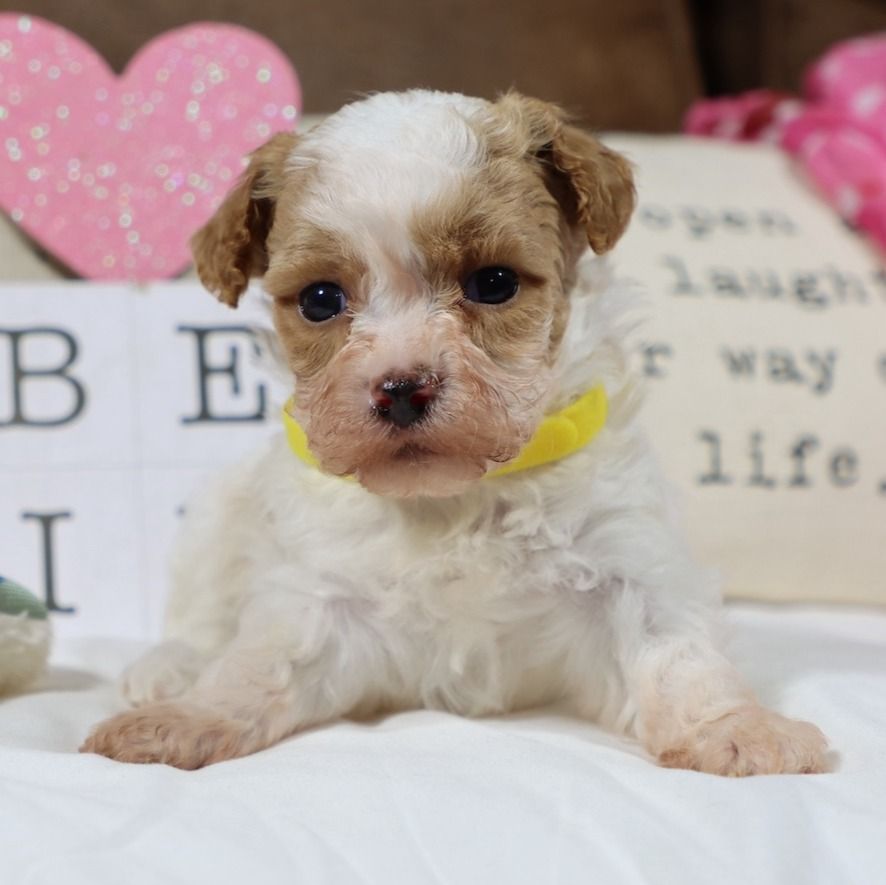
(404, 400)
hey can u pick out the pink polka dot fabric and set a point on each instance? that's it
(113, 174)
(837, 129)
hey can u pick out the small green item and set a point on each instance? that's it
(25, 637)
(14, 600)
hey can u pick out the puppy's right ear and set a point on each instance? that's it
(230, 247)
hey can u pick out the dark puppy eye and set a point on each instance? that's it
(492, 285)
(322, 301)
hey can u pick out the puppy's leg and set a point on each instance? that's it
(198, 627)
(692, 708)
(206, 595)
(163, 673)
(287, 669)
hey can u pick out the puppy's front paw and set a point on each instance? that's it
(173, 734)
(751, 740)
(166, 672)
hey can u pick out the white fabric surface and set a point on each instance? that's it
(426, 797)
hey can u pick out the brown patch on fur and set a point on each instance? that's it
(301, 254)
(172, 734)
(593, 184)
(750, 740)
(545, 189)
(230, 247)
(502, 215)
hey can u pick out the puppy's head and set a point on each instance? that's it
(419, 249)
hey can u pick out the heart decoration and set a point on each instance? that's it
(113, 174)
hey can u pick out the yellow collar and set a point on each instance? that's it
(557, 436)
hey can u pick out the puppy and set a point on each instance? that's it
(437, 304)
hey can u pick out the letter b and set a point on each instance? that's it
(20, 375)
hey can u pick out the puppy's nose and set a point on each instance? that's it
(404, 400)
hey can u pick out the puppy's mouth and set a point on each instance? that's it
(451, 443)
(417, 456)
(425, 459)
(414, 454)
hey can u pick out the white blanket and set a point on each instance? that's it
(426, 797)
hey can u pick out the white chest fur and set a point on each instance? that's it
(473, 603)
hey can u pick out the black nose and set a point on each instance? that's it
(403, 401)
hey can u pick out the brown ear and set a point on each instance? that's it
(593, 184)
(230, 247)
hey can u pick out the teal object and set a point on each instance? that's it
(14, 600)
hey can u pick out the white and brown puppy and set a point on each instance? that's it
(433, 293)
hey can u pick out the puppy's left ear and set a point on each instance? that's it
(593, 184)
(230, 247)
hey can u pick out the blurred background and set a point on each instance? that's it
(631, 65)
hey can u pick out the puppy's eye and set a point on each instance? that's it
(492, 285)
(322, 301)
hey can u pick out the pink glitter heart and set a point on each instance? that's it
(113, 174)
